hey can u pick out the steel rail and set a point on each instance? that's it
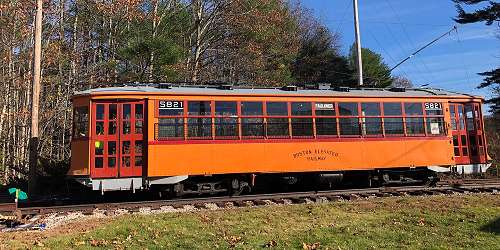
(257, 199)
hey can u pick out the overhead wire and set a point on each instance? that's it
(386, 52)
(419, 59)
(420, 75)
(348, 6)
(466, 66)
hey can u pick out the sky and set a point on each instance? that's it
(397, 28)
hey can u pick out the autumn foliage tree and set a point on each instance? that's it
(89, 44)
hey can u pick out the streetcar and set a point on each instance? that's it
(213, 139)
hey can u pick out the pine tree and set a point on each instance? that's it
(375, 72)
(319, 60)
(489, 14)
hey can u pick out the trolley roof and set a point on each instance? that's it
(251, 91)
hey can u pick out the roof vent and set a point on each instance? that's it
(324, 86)
(310, 86)
(397, 89)
(341, 89)
(225, 87)
(289, 88)
(164, 86)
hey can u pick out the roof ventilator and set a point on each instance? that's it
(289, 88)
(225, 87)
(397, 89)
(341, 89)
(164, 86)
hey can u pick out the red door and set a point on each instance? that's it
(475, 132)
(459, 132)
(131, 138)
(117, 139)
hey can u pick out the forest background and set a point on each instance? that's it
(89, 44)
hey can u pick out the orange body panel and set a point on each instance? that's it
(80, 158)
(203, 159)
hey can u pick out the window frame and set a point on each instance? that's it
(401, 116)
(210, 116)
(364, 117)
(87, 121)
(301, 116)
(262, 116)
(314, 116)
(221, 116)
(357, 117)
(441, 117)
(334, 116)
(158, 117)
(423, 116)
(288, 135)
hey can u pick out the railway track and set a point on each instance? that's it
(443, 187)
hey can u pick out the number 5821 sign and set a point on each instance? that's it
(171, 105)
(433, 106)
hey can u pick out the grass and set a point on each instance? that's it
(437, 222)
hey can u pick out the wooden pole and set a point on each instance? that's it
(358, 43)
(33, 143)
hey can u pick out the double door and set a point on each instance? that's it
(117, 139)
(467, 131)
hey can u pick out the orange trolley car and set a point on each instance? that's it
(196, 139)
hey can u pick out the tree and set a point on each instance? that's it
(489, 14)
(318, 59)
(152, 45)
(401, 82)
(375, 72)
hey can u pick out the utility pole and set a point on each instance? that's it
(358, 43)
(35, 99)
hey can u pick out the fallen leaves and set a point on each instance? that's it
(98, 243)
(270, 244)
(421, 222)
(233, 240)
(313, 246)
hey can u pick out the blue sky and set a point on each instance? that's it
(397, 28)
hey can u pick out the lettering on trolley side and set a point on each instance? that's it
(315, 154)
(170, 105)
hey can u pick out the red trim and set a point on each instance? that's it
(359, 117)
(287, 140)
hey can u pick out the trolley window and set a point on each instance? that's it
(225, 108)
(199, 121)
(277, 121)
(349, 125)
(303, 126)
(226, 122)
(393, 119)
(201, 108)
(414, 120)
(251, 108)
(277, 109)
(170, 128)
(252, 121)
(434, 118)
(371, 122)
(326, 122)
(81, 122)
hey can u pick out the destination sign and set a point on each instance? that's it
(324, 106)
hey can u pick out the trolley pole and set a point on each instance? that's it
(358, 43)
(35, 99)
